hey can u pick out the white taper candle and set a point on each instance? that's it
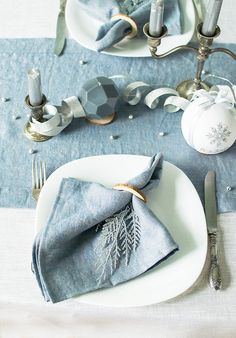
(34, 87)
(211, 18)
(156, 18)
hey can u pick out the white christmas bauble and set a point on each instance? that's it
(209, 129)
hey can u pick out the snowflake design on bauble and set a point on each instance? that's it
(219, 134)
(119, 237)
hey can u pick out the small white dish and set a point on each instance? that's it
(176, 203)
(83, 29)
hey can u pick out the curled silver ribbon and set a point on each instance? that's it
(134, 92)
(57, 118)
(174, 103)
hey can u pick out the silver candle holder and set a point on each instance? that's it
(36, 114)
(188, 87)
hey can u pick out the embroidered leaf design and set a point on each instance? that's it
(119, 237)
(136, 231)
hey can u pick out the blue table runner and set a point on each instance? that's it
(62, 77)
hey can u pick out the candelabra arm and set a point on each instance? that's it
(172, 51)
(188, 87)
(154, 42)
(223, 50)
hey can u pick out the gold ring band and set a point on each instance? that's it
(134, 27)
(132, 189)
(102, 122)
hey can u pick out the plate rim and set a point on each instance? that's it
(121, 54)
(80, 299)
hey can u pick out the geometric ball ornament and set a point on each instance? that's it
(99, 97)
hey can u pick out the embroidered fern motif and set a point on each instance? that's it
(119, 237)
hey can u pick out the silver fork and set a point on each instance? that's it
(38, 177)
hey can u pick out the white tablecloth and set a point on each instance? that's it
(200, 312)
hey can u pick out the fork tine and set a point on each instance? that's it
(33, 173)
(36, 176)
(40, 174)
(44, 172)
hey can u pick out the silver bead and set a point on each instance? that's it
(131, 116)
(15, 117)
(205, 72)
(114, 137)
(82, 62)
(4, 99)
(228, 188)
(32, 151)
(162, 133)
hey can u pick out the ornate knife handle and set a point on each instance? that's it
(214, 274)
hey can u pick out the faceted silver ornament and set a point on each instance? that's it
(228, 188)
(99, 97)
(162, 133)
(131, 116)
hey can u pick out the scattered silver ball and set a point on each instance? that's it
(205, 72)
(32, 151)
(228, 188)
(15, 117)
(131, 116)
(82, 62)
(4, 99)
(114, 137)
(162, 133)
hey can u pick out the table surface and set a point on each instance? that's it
(23, 313)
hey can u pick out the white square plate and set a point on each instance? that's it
(175, 202)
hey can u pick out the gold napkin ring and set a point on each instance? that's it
(130, 188)
(134, 27)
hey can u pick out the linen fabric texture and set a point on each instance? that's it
(111, 32)
(98, 237)
(63, 77)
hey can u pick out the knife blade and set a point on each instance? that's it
(211, 219)
(61, 29)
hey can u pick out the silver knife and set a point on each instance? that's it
(61, 29)
(211, 218)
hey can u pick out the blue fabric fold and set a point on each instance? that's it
(97, 237)
(111, 32)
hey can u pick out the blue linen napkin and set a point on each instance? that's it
(111, 32)
(98, 237)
